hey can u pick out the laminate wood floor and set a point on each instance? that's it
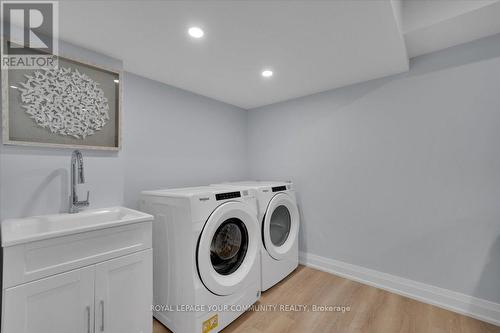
(372, 310)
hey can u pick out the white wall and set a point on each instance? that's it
(400, 175)
(171, 137)
(176, 138)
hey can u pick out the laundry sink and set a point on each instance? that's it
(23, 230)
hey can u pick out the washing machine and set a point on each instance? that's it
(279, 223)
(206, 258)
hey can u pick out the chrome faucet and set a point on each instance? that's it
(74, 204)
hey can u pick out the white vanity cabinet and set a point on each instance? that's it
(98, 280)
(121, 303)
(58, 304)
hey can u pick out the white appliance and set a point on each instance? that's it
(205, 255)
(279, 220)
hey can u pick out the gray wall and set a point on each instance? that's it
(176, 138)
(170, 138)
(400, 175)
(36, 180)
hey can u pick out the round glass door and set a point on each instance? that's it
(229, 246)
(280, 226)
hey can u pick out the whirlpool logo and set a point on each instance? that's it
(30, 34)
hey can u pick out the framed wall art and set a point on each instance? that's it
(76, 105)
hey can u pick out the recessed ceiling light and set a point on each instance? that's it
(195, 32)
(267, 73)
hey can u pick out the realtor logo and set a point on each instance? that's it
(30, 31)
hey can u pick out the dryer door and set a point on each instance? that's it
(281, 226)
(228, 247)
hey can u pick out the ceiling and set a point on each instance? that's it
(430, 25)
(311, 46)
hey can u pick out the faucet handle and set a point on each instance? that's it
(87, 202)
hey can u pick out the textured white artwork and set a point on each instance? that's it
(65, 102)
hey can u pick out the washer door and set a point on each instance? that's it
(281, 226)
(228, 247)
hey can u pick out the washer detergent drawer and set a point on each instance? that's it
(39, 259)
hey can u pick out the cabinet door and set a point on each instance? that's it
(124, 293)
(58, 304)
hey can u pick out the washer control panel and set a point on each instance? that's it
(227, 195)
(279, 188)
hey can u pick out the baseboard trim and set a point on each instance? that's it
(450, 300)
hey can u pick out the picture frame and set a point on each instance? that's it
(30, 127)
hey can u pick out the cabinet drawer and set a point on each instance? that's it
(36, 260)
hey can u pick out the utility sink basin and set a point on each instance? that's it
(24, 230)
